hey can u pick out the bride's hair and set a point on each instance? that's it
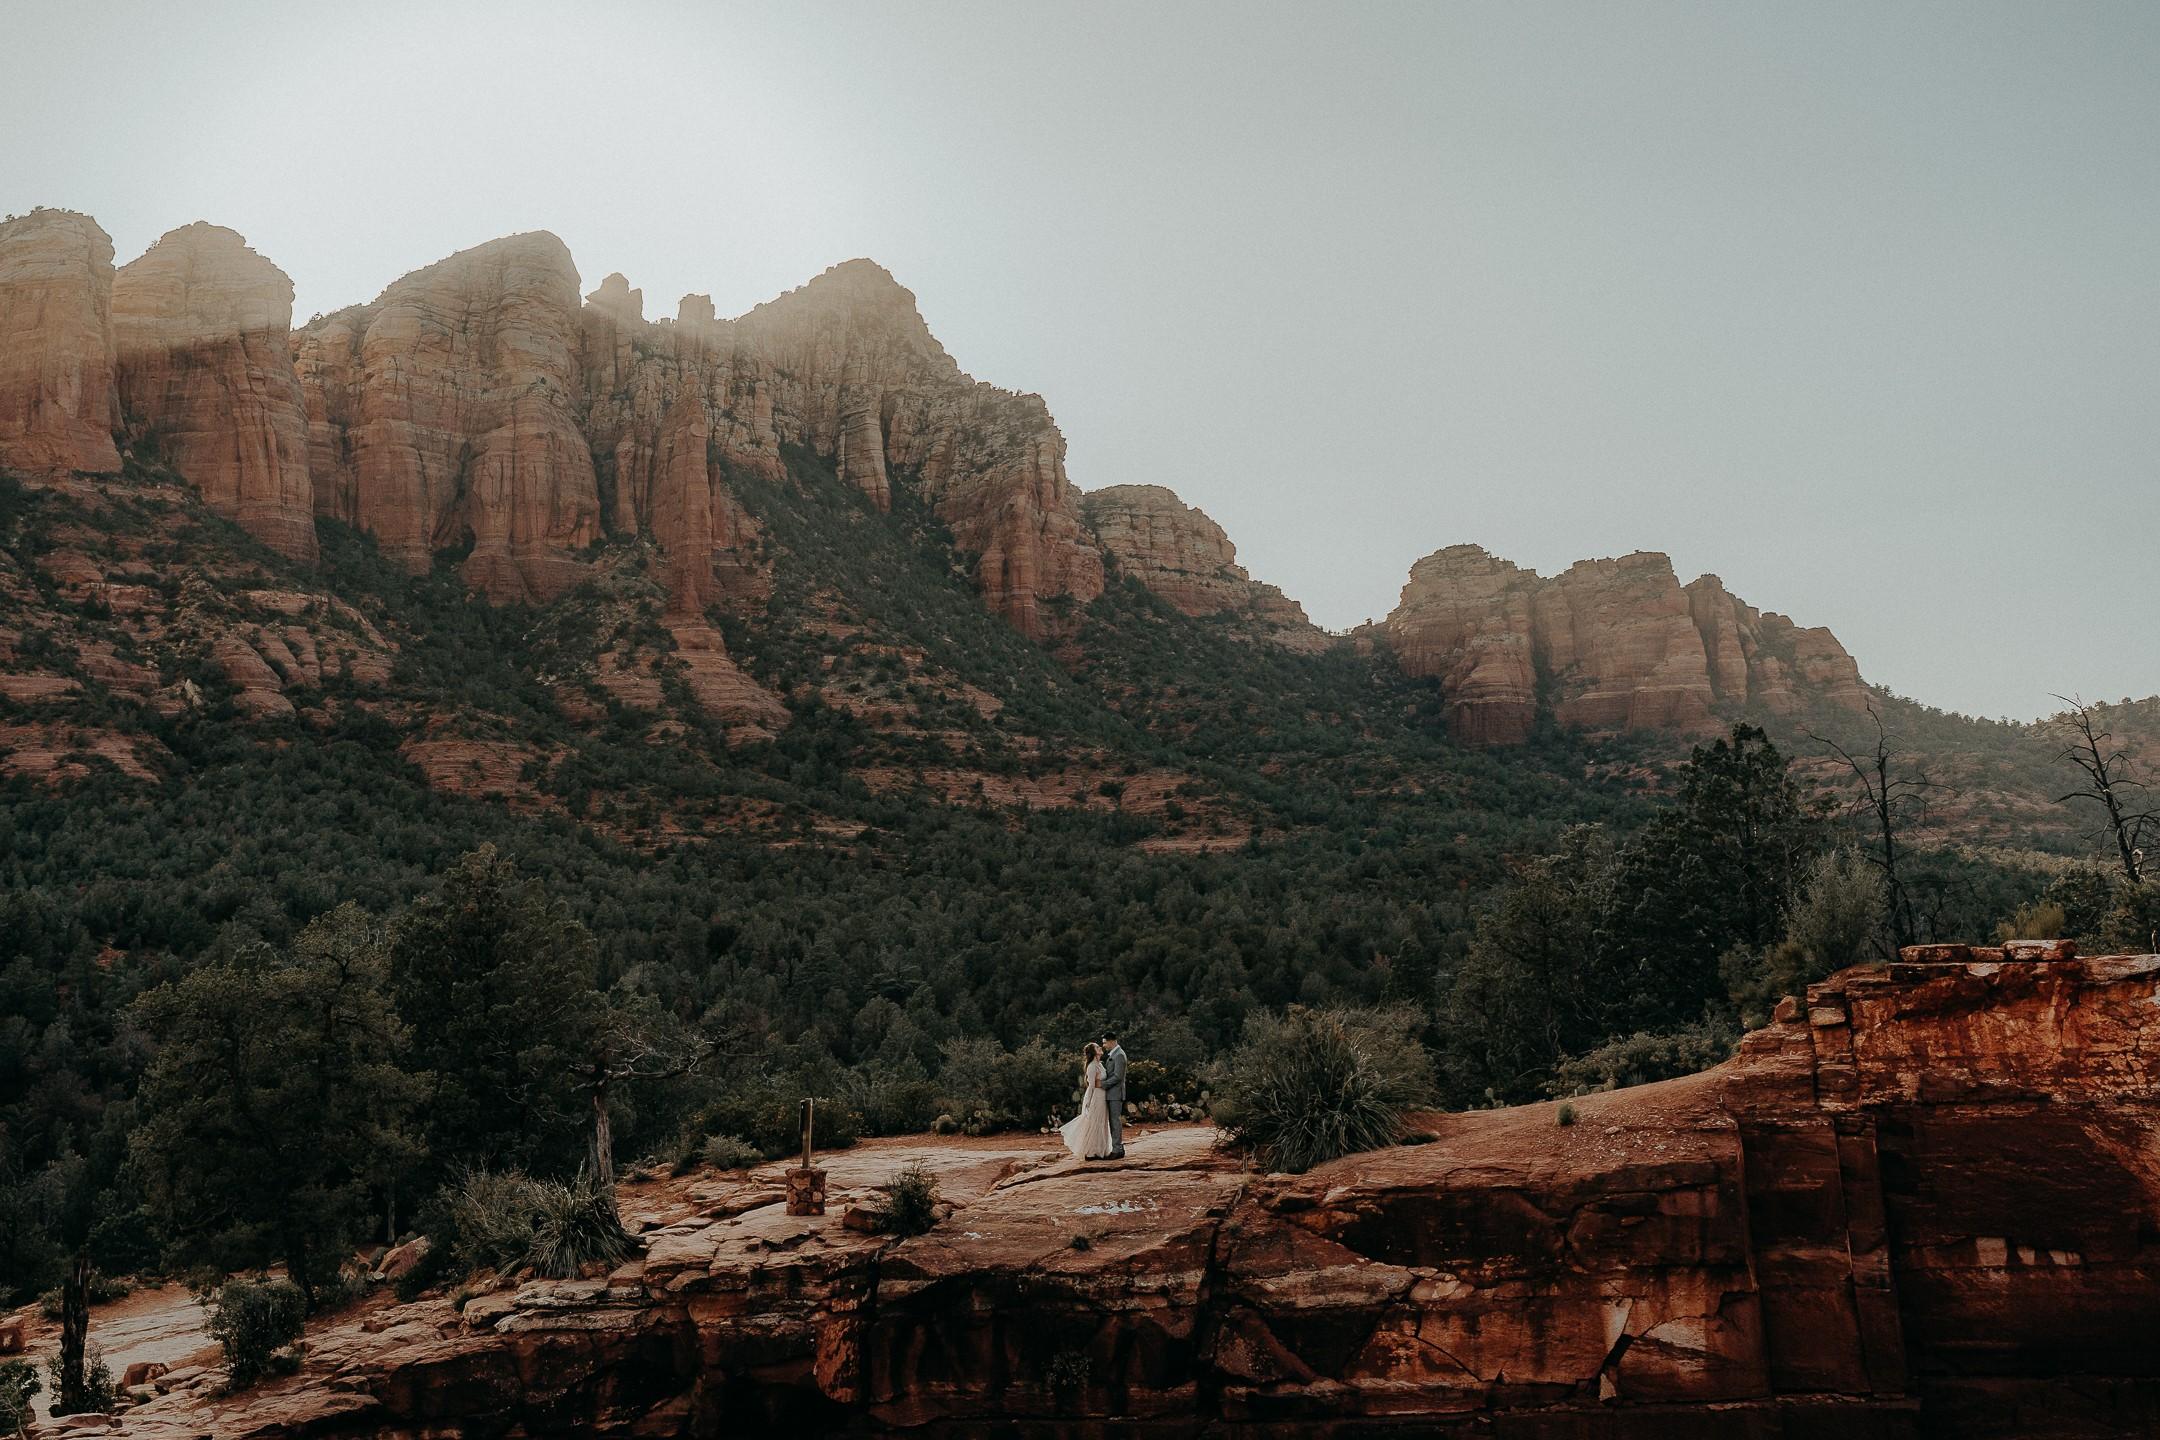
(1091, 1050)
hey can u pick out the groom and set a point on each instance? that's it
(1113, 1084)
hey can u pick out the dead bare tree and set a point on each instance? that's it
(1894, 797)
(2109, 783)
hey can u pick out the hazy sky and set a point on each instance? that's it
(1856, 305)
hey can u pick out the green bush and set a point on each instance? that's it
(100, 1392)
(911, 1202)
(991, 1088)
(1565, 1115)
(768, 1114)
(1311, 1085)
(492, 1216)
(18, 1382)
(104, 1289)
(729, 1152)
(2036, 920)
(1642, 1058)
(252, 1320)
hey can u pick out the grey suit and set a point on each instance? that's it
(1113, 1085)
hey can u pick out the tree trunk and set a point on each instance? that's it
(603, 1138)
(72, 1390)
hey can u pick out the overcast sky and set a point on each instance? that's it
(1856, 305)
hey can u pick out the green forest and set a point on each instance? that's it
(276, 998)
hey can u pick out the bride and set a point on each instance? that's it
(1087, 1134)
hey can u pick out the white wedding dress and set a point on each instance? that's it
(1087, 1134)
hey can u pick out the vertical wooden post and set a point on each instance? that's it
(806, 1183)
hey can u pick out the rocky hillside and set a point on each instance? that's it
(479, 410)
(1922, 1204)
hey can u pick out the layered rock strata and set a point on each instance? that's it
(1181, 555)
(443, 417)
(1924, 1203)
(57, 408)
(202, 344)
(1615, 644)
(845, 368)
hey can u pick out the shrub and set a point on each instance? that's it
(103, 1290)
(576, 1226)
(252, 1320)
(1565, 1115)
(492, 1216)
(768, 1114)
(100, 1392)
(911, 1204)
(1642, 1058)
(729, 1152)
(18, 1382)
(2039, 920)
(1311, 1085)
(506, 1220)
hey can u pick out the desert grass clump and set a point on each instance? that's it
(911, 1204)
(1310, 1086)
(505, 1220)
(1565, 1115)
(576, 1226)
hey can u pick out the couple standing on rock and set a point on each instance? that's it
(1098, 1131)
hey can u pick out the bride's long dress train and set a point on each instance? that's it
(1087, 1134)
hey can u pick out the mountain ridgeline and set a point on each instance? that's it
(477, 409)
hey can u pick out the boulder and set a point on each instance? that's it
(143, 1372)
(404, 1259)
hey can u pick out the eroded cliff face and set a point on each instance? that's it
(57, 408)
(1621, 644)
(846, 368)
(443, 416)
(1924, 1203)
(202, 347)
(1177, 552)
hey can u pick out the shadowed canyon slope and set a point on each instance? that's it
(480, 409)
(1925, 1203)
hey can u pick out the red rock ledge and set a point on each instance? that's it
(1926, 1203)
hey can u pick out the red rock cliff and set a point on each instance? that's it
(57, 410)
(1924, 1203)
(845, 367)
(444, 416)
(1624, 645)
(202, 344)
(1180, 554)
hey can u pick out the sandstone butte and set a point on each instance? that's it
(1187, 559)
(480, 407)
(1924, 1203)
(1624, 644)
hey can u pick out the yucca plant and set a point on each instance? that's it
(1311, 1086)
